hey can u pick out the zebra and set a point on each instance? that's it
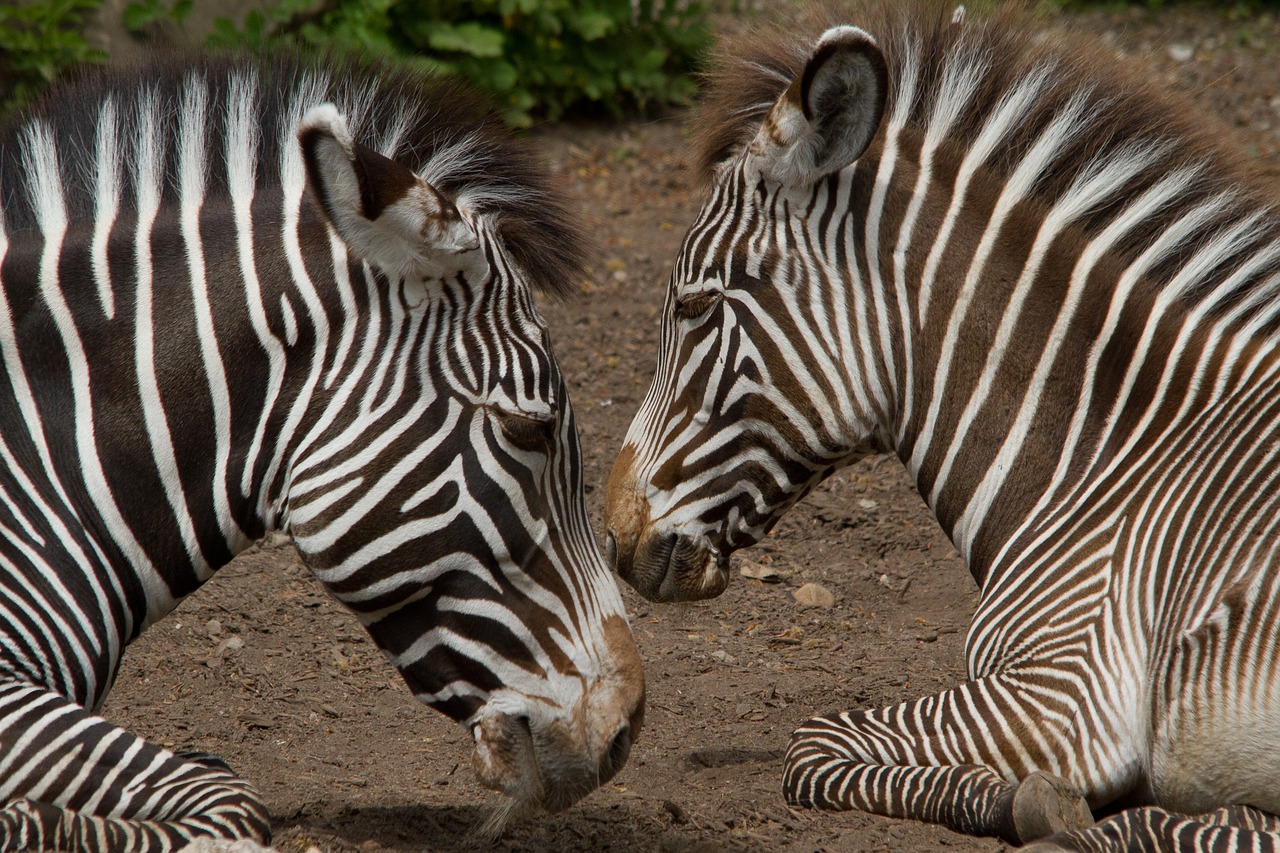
(274, 293)
(1046, 289)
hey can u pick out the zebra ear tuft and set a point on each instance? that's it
(828, 116)
(381, 209)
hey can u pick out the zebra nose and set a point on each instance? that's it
(611, 548)
(674, 567)
(646, 564)
(617, 754)
(622, 553)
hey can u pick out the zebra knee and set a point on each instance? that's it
(206, 760)
(238, 812)
(233, 814)
(28, 825)
(1152, 829)
(817, 755)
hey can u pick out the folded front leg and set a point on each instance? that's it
(1234, 829)
(947, 759)
(72, 781)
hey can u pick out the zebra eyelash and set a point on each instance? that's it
(529, 431)
(691, 306)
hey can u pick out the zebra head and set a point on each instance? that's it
(736, 426)
(450, 515)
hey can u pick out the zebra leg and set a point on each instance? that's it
(1243, 817)
(910, 761)
(72, 781)
(1234, 829)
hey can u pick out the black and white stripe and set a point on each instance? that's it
(195, 352)
(1036, 283)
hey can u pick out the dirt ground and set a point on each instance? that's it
(261, 668)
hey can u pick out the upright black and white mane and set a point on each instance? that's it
(953, 79)
(121, 120)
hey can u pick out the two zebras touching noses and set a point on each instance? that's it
(1045, 292)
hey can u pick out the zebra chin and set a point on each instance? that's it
(548, 765)
(548, 753)
(670, 567)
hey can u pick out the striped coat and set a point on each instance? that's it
(1036, 282)
(249, 295)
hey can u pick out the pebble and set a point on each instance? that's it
(758, 571)
(1181, 52)
(814, 595)
(894, 584)
(225, 648)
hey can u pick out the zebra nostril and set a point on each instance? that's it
(619, 750)
(611, 548)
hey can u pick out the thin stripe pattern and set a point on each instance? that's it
(1056, 302)
(194, 354)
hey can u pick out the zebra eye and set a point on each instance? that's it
(694, 305)
(525, 431)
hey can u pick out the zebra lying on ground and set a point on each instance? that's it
(1042, 287)
(195, 352)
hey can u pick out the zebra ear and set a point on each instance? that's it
(829, 114)
(384, 212)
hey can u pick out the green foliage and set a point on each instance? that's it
(37, 41)
(138, 16)
(275, 22)
(538, 57)
(1239, 7)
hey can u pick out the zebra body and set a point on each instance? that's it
(1036, 284)
(222, 314)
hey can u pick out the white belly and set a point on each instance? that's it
(1225, 758)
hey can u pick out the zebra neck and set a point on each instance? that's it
(1042, 366)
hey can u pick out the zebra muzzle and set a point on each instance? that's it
(549, 751)
(537, 764)
(661, 565)
(671, 567)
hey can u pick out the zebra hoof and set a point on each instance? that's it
(1044, 805)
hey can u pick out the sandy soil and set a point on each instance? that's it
(262, 668)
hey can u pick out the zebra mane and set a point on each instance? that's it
(435, 126)
(954, 78)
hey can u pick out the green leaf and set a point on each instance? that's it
(590, 25)
(471, 37)
(136, 16)
(501, 76)
(38, 40)
(223, 34)
(541, 58)
(254, 21)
